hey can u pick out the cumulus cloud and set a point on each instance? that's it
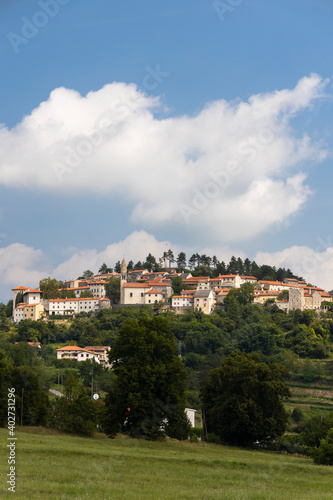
(314, 265)
(229, 172)
(24, 265)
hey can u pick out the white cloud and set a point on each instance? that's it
(233, 166)
(20, 265)
(314, 265)
(24, 265)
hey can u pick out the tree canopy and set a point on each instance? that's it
(242, 400)
(149, 392)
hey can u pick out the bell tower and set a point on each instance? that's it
(123, 280)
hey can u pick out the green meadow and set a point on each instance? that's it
(58, 466)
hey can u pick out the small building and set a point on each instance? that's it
(190, 413)
(77, 353)
(204, 300)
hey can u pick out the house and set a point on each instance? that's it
(183, 301)
(190, 413)
(66, 307)
(148, 292)
(229, 281)
(102, 353)
(97, 288)
(28, 311)
(204, 300)
(77, 353)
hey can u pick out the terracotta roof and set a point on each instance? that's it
(20, 288)
(71, 348)
(153, 291)
(248, 277)
(181, 296)
(228, 275)
(32, 290)
(156, 283)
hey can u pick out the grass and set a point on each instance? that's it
(57, 466)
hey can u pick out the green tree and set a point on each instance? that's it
(181, 261)
(112, 290)
(87, 274)
(76, 415)
(150, 262)
(177, 285)
(151, 381)
(284, 295)
(242, 400)
(35, 400)
(19, 298)
(50, 288)
(86, 294)
(104, 269)
(323, 455)
(117, 267)
(5, 384)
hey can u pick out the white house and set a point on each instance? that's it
(77, 353)
(65, 307)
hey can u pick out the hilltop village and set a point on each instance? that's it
(141, 287)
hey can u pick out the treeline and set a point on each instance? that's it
(204, 265)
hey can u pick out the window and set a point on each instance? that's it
(148, 301)
(141, 294)
(131, 294)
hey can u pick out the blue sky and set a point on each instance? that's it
(184, 71)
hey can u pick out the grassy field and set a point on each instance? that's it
(57, 466)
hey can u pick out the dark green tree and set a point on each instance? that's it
(5, 384)
(117, 267)
(151, 381)
(35, 400)
(112, 290)
(181, 261)
(87, 274)
(50, 288)
(86, 294)
(242, 400)
(104, 269)
(150, 262)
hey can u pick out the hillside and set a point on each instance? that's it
(72, 467)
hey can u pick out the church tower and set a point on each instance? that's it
(123, 280)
